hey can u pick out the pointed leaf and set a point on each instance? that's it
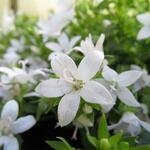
(103, 129)
(115, 139)
(92, 140)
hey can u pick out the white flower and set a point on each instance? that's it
(56, 22)
(143, 81)
(118, 84)
(10, 125)
(61, 5)
(130, 124)
(87, 45)
(145, 31)
(17, 75)
(107, 22)
(6, 23)
(10, 58)
(64, 45)
(17, 45)
(74, 83)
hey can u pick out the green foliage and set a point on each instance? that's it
(121, 40)
(60, 145)
(114, 142)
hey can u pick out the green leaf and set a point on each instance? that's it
(57, 145)
(92, 140)
(142, 147)
(65, 142)
(104, 144)
(115, 139)
(103, 129)
(60, 145)
(123, 146)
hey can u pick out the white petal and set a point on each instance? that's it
(63, 40)
(143, 33)
(99, 44)
(109, 74)
(74, 40)
(90, 65)
(94, 92)
(127, 97)
(10, 110)
(113, 126)
(9, 143)
(107, 108)
(127, 78)
(61, 62)
(145, 125)
(53, 88)
(54, 47)
(129, 117)
(67, 108)
(144, 19)
(6, 70)
(23, 124)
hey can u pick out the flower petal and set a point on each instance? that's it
(127, 97)
(90, 65)
(109, 74)
(64, 41)
(9, 143)
(127, 78)
(107, 108)
(144, 18)
(61, 62)
(53, 88)
(143, 33)
(99, 44)
(94, 92)
(67, 108)
(10, 110)
(74, 40)
(145, 125)
(54, 47)
(23, 124)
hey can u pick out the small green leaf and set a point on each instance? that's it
(57, 145)
(103, 129)
(115, 139)
(65, 142)
(123, 146)
(142, 147)
(92, 140)
(104, 144)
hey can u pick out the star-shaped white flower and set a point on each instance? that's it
(74, 83)
(19, 75)
(130, 124)
(118, 83)
(64, 45)
(87, 45)
(17, 45)
(144, 19)
(143, 81)
(10, 125)
(56, 22)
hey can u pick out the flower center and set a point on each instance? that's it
(78, 84)
(5, 126)
(68, 76)
(113, 85)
